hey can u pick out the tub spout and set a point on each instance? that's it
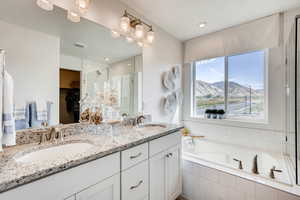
(255, 168)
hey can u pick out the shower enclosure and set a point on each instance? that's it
(293, 98)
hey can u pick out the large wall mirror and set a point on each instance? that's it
(59, 66)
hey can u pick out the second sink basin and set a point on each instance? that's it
(52, 153)
(151, 127)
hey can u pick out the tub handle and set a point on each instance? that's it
(272, 170)
(240, 163)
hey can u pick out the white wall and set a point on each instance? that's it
(33, 61)
(161, 56)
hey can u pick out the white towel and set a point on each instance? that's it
(20, 111)
(8, 121)
(41, 110)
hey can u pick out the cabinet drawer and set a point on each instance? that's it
(108, 189)
(135, 155)
(135, 182)
(163, 143)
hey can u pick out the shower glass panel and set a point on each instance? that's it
(297, 99)
(293, 98)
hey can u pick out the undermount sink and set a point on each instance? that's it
(53, 153)
(151, 127)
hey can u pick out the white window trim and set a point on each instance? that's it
(231, 120)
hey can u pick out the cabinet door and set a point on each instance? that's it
(158, 177)
(173, 173)
(108, 189)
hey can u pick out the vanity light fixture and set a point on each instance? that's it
(82, 6)
(139, 31)
(150, 36)
(134, 29)
(202, 24)
(125, 23)
(73, 16)
(45, 4)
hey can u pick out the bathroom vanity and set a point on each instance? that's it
(140, 165)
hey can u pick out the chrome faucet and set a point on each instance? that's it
(240, 163)
(139, 119)
(272, 170)
(255, 167)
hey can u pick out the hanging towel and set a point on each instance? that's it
(22, 122)
(34, 122)
(20, 111)
(41, 110)
(8, 121)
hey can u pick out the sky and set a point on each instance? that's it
(245, 69)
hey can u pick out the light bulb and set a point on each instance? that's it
(45, 4)
(73, 16)
(82, 5)
(150, 37)
(129, 39)
(125, 24)
(115, 34)
(139, 31)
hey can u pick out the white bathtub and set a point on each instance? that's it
(220, 154)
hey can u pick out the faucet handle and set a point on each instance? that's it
(272, 170)
(240, 163)
(43, 138)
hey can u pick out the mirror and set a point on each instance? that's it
(55, 64)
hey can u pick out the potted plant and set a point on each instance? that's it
(221, 114)
(208, 113)
(214, 113)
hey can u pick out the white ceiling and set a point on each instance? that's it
(181, 18)
(98, 40)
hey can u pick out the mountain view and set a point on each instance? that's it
(203, 89)
(241, 99)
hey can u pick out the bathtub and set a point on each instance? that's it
(221, 156)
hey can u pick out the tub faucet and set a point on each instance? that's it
(272, 170)
(255, 168)
(240, 163)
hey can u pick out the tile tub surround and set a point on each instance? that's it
(203, 183)
(13, 174)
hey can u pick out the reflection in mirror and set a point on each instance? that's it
(61, 69)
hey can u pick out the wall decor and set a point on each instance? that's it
(168, 81)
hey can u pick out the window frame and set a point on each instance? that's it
(226, 67)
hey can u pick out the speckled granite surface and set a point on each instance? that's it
(14, 174)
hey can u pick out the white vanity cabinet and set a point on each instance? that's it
(108, 189)
(150, 171)
(165, 168)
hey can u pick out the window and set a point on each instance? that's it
(235, 84)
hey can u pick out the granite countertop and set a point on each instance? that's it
(14, 174)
